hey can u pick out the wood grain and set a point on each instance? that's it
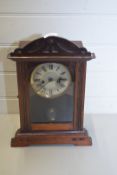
(52, 126)
(54, 49)
(79, 138)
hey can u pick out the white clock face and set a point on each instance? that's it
(50, 80)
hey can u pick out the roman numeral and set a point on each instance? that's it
(50, 66)
(44, 69)
(57, 68)
(36, 79)
(38, 73)
(62, 73)
(62, 85)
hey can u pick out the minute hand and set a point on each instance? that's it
(43, 85)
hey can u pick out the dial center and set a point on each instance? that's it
(50, 79)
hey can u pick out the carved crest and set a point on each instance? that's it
(51, 45)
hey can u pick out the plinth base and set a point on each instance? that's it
(22, 139)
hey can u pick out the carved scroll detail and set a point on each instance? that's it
(51, 45)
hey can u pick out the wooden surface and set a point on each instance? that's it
(78, 138)
(51, 48)
(52, 126)
(99, 159)
(54, 49)
(23, 95)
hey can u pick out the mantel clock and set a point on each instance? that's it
(51, 74)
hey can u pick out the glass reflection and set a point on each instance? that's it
(59, 109)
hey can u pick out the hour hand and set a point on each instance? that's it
(61, 79)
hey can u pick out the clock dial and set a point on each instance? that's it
(50, 80)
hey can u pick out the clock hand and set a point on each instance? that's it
(50, 79)
(43, 85)
(61, 79)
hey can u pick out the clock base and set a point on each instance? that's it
(78, 138)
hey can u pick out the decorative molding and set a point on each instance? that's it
(51, 45)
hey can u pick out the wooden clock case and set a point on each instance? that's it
(75, 57)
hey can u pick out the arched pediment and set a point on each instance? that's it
(51, 45)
